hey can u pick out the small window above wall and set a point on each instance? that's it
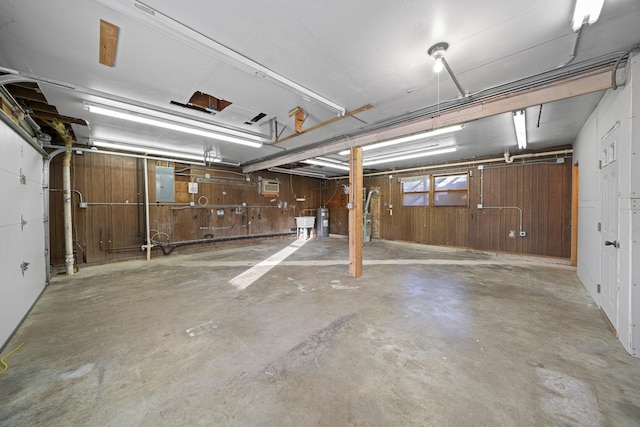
(415, 190)
(451, 190)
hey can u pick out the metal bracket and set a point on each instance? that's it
(22, 222)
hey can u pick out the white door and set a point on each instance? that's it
(609, 233)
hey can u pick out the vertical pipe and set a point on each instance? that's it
(61, 129)
(68, 229)
(146, 208)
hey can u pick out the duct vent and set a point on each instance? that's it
(256, 119)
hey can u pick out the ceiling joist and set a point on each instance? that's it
(328, 122)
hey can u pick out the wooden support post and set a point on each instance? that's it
(355, 213)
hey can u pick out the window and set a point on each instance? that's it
(436, 190)
(451, 190)
(415, 191)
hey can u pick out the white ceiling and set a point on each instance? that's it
(354, 53)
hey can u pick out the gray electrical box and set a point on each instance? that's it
(366, 228)
(165, 184)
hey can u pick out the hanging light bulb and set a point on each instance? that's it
(438, 66)
(436, 52)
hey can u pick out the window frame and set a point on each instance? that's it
(426, 179)
(431, 193)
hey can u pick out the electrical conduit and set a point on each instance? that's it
(148, 244)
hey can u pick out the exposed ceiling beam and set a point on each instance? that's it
(589, 82)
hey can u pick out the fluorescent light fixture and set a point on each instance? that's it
(326, 164)
(197, 40)
(415, 137)
(134, 117)
(298, 173)
(147, 150)
(520, 123)
(398, 158)
(330, 160)
(405, 152)
(586, 11)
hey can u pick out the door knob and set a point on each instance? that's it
(610, 243)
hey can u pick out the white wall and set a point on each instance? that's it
(621, 105)
(20, 243)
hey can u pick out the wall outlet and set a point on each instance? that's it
(83, 205)
(480, 167)
(479, 206)
(523, 234)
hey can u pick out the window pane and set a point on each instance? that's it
(451, 182)
(450, 198)
(417, 185)
(415, 199)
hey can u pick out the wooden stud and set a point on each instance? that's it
(355, 213)
(319, 125)
(108, 43)
(298, 114)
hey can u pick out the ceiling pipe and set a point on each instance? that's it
(507, 157)
(565, 152)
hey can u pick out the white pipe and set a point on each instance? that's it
(481, 185)
(149, 245)
(508, 159)
(507, 207)
(68, 228)
(467, 163)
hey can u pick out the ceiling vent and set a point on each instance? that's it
(204, 102)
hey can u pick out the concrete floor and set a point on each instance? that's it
(426, 336)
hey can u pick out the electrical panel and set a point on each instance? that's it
(165, 185)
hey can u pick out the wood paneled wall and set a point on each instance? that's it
(112, 227)
(542, 190)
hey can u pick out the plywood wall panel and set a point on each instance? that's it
(543, 194)
(555, 214)
(112, 227)
(527, 206)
